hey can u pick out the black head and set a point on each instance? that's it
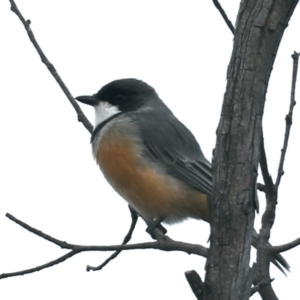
(125, 94)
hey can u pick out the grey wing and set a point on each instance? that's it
(169, 143)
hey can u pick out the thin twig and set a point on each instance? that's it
(223, 14)
(41, 267)
(80, 115)
(164, 245)
(134, 218)
(286, 247)
(39, 233)
(288, 118)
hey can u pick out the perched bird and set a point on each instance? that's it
(148, 156)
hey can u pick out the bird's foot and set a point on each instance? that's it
(156, 226)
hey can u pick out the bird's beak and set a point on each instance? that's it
(90, 100)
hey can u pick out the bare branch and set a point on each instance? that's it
(134, 218)
(195, 283)
(286, 247)
(260, 285)
(47, 237)
(237, 148)
(264, 249)
(223, 14)
(41, 267)
(80, 115)
(168, 245)
(276, 258)
(164, 245)
(288, 118)
(271, 196)
(261, 187)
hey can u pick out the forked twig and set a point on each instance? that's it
(264, 250)
(134, 218)
(164, 245)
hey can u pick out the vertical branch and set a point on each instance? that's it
(263, 247)
(264, 250)
(260, 27)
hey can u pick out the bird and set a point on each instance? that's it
(148, 156)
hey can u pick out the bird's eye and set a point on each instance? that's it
(118, 99)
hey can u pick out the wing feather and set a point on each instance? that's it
(169, 143)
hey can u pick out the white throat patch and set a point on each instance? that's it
(103, 111)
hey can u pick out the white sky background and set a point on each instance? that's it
(48, 177)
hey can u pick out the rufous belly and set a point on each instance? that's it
(152, 193)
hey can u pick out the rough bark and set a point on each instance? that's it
(259, 29)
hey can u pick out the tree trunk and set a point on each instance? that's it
(259, 29)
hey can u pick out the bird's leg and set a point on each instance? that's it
(155, 229)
